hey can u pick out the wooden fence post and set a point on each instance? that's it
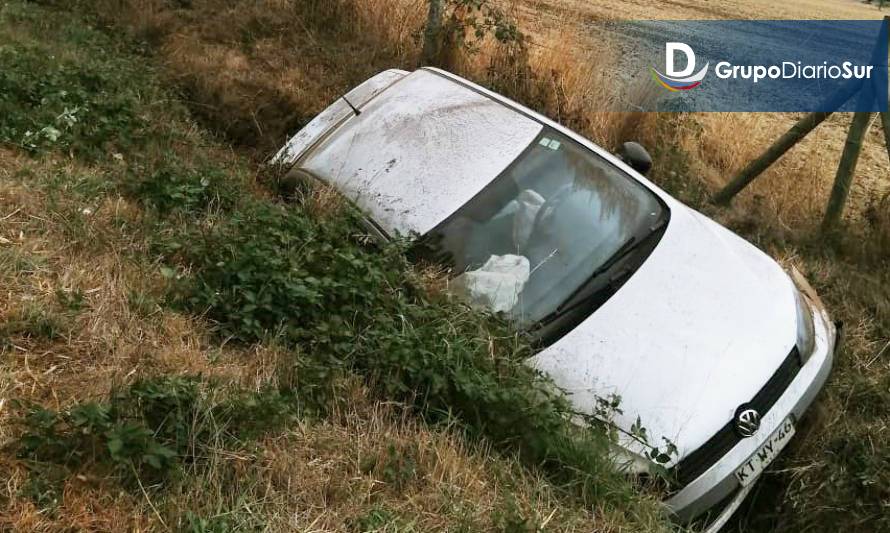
(774, 152)
(885, 121)
(885, 116)
(432, 32)
(785, 142)
(845, 170)
(798, 132)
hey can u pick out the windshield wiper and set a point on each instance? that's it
(628, 246)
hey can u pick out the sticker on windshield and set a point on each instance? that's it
(553, 144)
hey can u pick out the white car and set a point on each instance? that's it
(628, 292)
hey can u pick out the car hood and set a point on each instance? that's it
(693, 334)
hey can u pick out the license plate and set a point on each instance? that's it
(754, 466)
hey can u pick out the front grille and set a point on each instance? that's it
(697, 462)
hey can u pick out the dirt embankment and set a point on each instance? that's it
(255, 71)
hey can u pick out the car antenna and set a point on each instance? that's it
(354, 109)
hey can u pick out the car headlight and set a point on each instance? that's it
(808, 304)
(806, 330)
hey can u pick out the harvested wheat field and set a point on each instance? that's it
(711, 9)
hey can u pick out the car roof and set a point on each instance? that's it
(420, 150)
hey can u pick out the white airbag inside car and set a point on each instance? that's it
(496, 285)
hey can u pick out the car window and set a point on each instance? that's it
(541, 229)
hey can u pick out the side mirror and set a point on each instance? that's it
(636, 156)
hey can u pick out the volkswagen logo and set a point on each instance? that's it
(747, 422)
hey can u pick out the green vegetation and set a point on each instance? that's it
(146, 431)
(129, 182)
(55, 103)
(176, 188)
(316, 285)
(32, 322)
(190, 353)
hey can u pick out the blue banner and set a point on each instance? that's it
(754, 65)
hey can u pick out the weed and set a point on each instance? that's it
(86, 186)
(868, 472)
(199, 524)
(672, 173)
(73, 300)
(168, 405)
(15, 262)
(247, 416)
(143, 431)
(397, 467)
(134, 445)
(510, 519)
(92, 432)
(142, 303)
(175, 187)
(44, 489)
(77, 224)
(48, 103)
(876, 215)
(469, 22)
(33, 322)
(379, 519)
(267, 271)
(327, 16)
(311, 284)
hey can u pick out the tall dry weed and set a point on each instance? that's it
(551, 74)
(791, 195)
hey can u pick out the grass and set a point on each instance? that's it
(170, 328)
(144, 252)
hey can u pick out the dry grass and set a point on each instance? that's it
(326, 476)
(85, 505)
(80, 308)
(549, 73)
(331, 475)
(59, 250)
(582, 94)
(583, 10)
(795, 190)
(791, 195)
(256, 71)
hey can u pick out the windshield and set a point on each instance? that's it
(540, 230)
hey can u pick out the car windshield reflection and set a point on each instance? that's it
(539, 231)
